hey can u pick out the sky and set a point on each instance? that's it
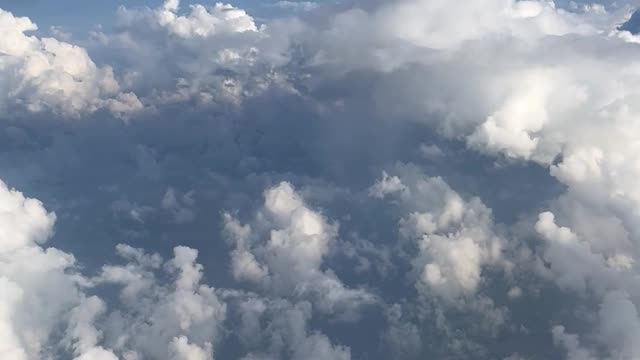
(398, 179)
(79, 17)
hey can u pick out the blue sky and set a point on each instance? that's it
(74, 15)
(78, 16)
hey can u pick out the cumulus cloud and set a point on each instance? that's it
(571, 343)
(37, 286)
(47, 74)
(43, 292)
(455, 238)
(220, 18)
(284, 326)
(182, 350)
(283, 251)
(176, 319)
(184, 315)
(224, 54)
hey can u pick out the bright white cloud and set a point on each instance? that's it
(38, 285)
(283, 251)
(42, 293)
(41, 74)
(224, 55)
(446, 26)
(184, 315)
(455, 237)
(200, 21)
(24, 222)
(182, 350)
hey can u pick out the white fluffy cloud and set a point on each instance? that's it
(519, 80)
(447, 26)
(200, 21)
(577, 266)
(184, 315)
(224, 55)
(24, 221)
(42, 292)
(455, 237)
(41, 74)
(283, 251)
(37, 286)
(182, 350)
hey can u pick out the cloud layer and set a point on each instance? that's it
(399, 179)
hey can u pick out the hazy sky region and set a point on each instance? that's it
(319, 180)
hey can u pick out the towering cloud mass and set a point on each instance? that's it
(401, 179)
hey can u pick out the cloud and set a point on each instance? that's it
(586, 267)
(458, 181)
(224, 55)
(447, 26)
(38, 284)
(203, 22)
(297, 5)
(43, 292)
(181, 208)
(455, 238)
(620, 324)
(284, 249)
(571, 344)
(184, 315)
(81, 332)
(45, 74)
(182, 350)
(284, 326)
